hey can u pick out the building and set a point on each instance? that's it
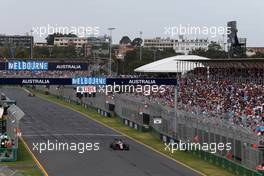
(40, 44)
(186, 45)
(91, 45)
(159, 43)
(16, 41)
(78, 42)
(100, 45)
(99, 42)
(179, 45)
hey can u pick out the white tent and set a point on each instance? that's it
(172, 64)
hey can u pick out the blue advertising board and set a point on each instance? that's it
(86, 81)
(68, 66)
(89, 81)
(32, 65)
(17, 65)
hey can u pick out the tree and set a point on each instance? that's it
(64, 52)
(4, 52)
(214, 51)
(214, 46)
(41, 52)
(125, 40)
(137, 42)
(21, 52)
(131, 60)
(199, 52)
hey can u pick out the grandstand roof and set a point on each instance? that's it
(183, 63)
(172, 64)
(231, 62)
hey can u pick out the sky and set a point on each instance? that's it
(129, 17)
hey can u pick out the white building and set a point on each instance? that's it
(78, 42)
(187, 45)
(179, 45)
(40, 44)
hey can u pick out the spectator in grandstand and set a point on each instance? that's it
(240, 104)
(44, 74)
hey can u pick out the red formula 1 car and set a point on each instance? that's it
(118, 144)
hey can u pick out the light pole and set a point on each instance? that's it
(140, 48)
(94, 65)
(155, 54)
(110, 49)
(12, 51)
(31, 44)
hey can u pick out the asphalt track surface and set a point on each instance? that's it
(48, 121)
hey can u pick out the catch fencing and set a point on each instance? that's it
(140, 113)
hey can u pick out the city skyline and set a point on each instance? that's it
(131, 17)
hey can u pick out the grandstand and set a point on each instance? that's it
(217, 101)
(227, 92)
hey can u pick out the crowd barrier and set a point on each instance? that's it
(181, 125)
(9, 124)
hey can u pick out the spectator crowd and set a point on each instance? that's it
(44, 74)
(238, 103)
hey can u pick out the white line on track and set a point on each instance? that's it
(72, 134)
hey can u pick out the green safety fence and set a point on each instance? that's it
(229, 165)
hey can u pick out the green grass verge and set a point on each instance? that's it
(147, 138)
(25, 164)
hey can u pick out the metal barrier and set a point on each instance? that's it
(187, 126)
(9, 131)
(183, 126)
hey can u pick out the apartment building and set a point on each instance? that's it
(179, 45)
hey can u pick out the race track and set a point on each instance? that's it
(48, 121)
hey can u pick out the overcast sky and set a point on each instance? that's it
(131, 16)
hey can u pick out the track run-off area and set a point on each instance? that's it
(46, 121)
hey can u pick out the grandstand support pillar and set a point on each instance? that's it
(234, 143)
(208, 72)
(176, 98)
(175, 108)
